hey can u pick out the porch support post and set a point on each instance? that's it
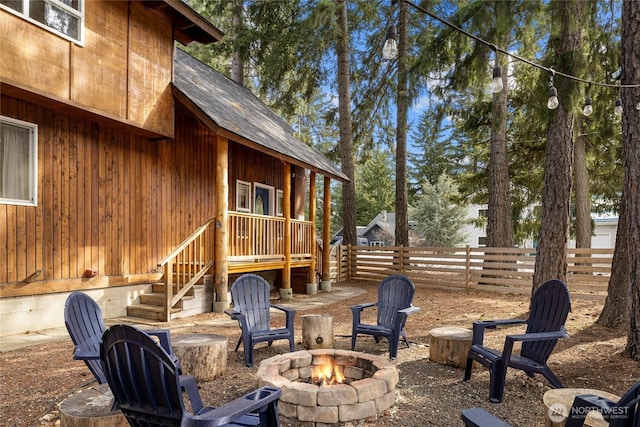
(312, 285)
(286, 293)
(325, 285)
(221, 244)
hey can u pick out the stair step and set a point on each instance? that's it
(146, 311)
(157, 299)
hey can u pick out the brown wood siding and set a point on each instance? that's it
(107, 200)
(100, 66)
(252, 166)
(123, 70)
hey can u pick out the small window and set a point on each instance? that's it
(18, 162)
(243, 196)
(482, 241)
(483, 213)
(279, 201)
(63, 17)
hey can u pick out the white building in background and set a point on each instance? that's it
(604, 230)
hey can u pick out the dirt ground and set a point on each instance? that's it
(34, 380)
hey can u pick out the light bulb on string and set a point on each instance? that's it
(390, 49)
(617, 110)
(553, 102)
(588, 107)
(496, 83)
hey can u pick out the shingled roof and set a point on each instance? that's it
(232, 107)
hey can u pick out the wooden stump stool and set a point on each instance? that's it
(557, 404)
(203, 356)
(449, 346)
(317, 331)
(91, 408)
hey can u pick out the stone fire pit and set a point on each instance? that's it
(369, 387)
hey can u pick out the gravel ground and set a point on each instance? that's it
(34, 380)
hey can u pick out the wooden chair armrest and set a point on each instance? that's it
(256, 401)
(409, 310)
(478, 417)
(363, 306)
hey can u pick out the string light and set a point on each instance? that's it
(588, 107)
(390, 49)
(552, 103)
(618, 108)
(496, 83)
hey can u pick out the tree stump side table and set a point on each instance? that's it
(203, 356)
(558, 401)
(449, 345)
(91, 408)
(317, 331)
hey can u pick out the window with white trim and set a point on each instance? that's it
(63, 17)
(279, 202)
(18, 162)
(243, 196)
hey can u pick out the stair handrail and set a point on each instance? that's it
(194, 274)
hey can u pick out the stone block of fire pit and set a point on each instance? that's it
(325, 386)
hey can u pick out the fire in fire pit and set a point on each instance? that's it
(327, 372)
(330, 387)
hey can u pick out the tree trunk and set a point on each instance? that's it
(631, 138)
(237, 65)
(581, 181)
(346, 138)
(499, 218)
(616, 306)
(554, 229)
(402, 204)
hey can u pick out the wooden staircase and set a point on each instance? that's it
(197, 300)
(184, 290)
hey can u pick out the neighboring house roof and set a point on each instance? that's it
(234, 108)
(385, 221)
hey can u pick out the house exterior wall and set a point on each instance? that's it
(108, 200)
(123, 69)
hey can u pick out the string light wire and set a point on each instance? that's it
(513, 55)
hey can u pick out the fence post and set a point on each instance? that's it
(468, 267)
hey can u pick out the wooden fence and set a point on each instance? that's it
(588, 270)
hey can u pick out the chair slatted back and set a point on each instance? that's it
(550, 306)
(250, 294)
(83, 319)
(144, 379)
(395, 292)
(627, 413)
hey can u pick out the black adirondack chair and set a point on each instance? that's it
(145, 382)
(252, 310)
(83, 319)
(84, 322)
(548, 312)
(623, 413)
(395, 295)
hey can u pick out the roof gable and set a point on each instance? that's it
(236, 109)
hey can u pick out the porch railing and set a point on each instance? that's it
(260, 237)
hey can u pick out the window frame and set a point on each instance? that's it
(248, 194)
(271, 191)
(279, 202)
(33, 163)
(79, 14)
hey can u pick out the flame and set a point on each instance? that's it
(327, 372)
